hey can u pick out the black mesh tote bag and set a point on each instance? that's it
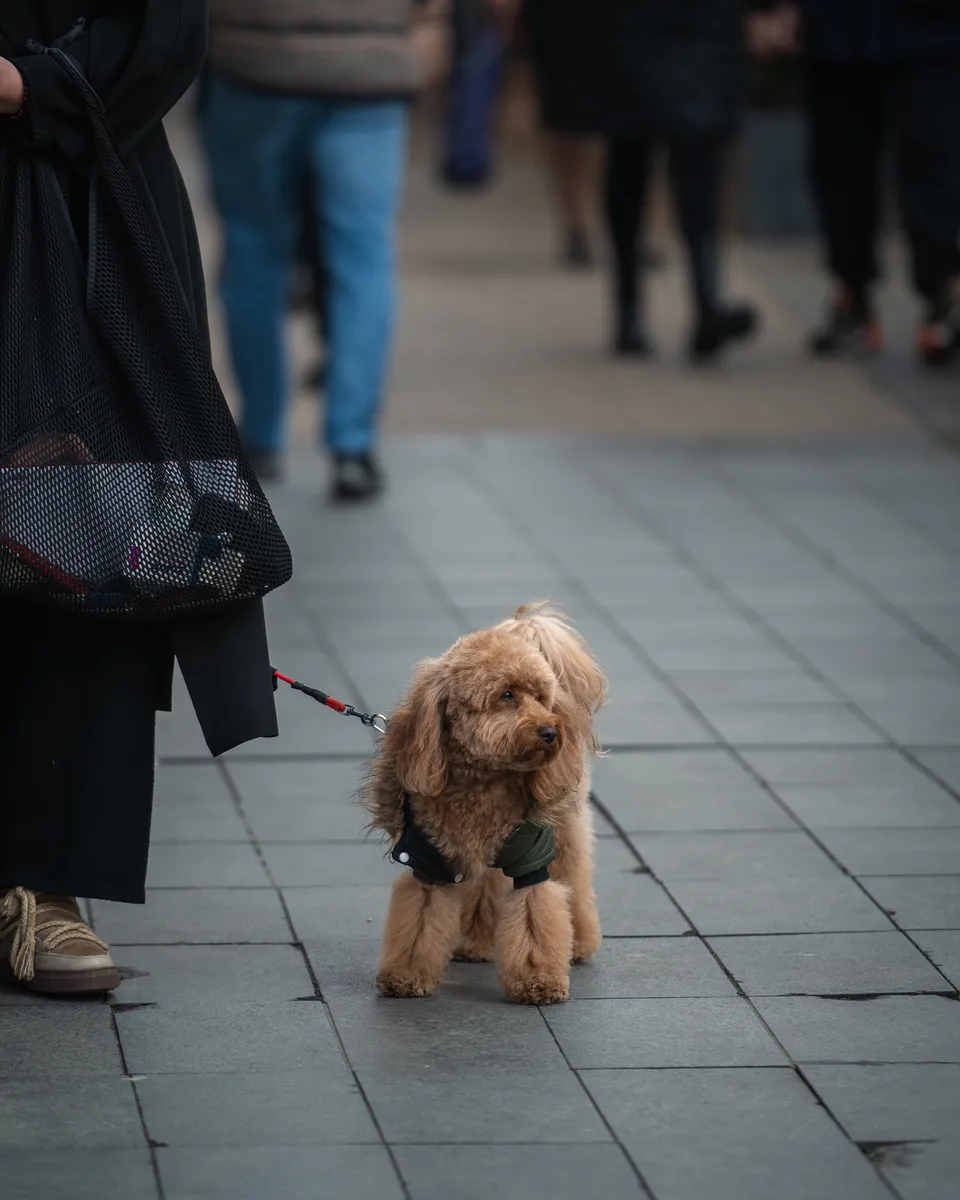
(123, 485)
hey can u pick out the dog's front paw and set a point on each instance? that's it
(538, 989)
(393, 984)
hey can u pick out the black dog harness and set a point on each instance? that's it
(524, 857)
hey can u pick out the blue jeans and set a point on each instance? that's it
(259, 144)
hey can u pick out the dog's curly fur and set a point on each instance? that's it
(466, 744)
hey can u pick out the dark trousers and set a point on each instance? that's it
(695, 164)
(855, 112)
(78, 704)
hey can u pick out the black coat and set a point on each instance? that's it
(881, 30)
(141, 56)
(639, 67)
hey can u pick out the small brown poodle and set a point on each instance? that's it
(483, 778)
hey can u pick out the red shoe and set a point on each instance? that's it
(938, 338)
(851, 328)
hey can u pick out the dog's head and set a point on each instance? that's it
(491, 704)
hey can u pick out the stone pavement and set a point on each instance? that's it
(774, 1013)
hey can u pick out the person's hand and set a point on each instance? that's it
(776, 31)
(11, 89)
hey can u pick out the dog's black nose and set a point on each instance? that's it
(548, 734)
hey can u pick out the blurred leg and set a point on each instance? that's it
(358, 152)
(846, 128)
(927, 113)
(573, 162)
(253, 141)
(696, 167)
(625, 193)
(696, 163)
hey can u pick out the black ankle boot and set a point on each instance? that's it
(631, 338)
(717, 326)
(356, 477)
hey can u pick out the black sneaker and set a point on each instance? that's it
(356, 477)
(717, 326)
(577, 250)
(850, 328)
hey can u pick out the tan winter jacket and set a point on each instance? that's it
(317, 47)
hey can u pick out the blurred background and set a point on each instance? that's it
(545, 279)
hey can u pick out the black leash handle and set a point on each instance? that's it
(375, 721)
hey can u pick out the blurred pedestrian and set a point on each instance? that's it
(305, 86)
(646, 74)
(880, 72)
(79, 694)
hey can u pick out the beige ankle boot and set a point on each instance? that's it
(46, 946)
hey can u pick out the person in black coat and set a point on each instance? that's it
(645, 73)
(79, 695)
(880, 72)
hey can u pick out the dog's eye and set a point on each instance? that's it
(507, 695)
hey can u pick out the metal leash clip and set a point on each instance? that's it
(375, 720)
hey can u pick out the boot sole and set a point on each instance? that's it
(64, 983)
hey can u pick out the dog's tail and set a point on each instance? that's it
(564, 649)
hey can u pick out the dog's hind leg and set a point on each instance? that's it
(422, 928)
(574, 867)
(482, 900)
(535, 944)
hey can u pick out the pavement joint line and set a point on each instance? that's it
(151, 1145)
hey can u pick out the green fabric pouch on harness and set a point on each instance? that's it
(524, 857)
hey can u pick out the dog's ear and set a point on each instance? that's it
(561, 776)
(415, 733)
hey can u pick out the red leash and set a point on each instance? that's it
(375, 721)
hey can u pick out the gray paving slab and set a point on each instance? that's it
(662, 1033)
(942, 947)
(80, 1173)
(453, 1030)
(517, 1172)
(792, 724)
(623, 722)
(847, 767)
(710, 690)
(919, 1171)
(198, 915)
(741, 1134)
(725, 855)
(289, 1108)
(639, 805)
(945, 764)
(750, 904)
(896, 851)
(889, 1029)
(72, 1111)
(918, 901)
(678, 769)
(631, 903)
(229, 1038)
(328, 864)
(193, 804)
(350, 914)
(200, 975)
(205, 865)
(893, 1103)
(830, 964)
(482, 1105)
(650, 966)
(55, 1040)
(253, 1172)
(819, 806)
(303, 801)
